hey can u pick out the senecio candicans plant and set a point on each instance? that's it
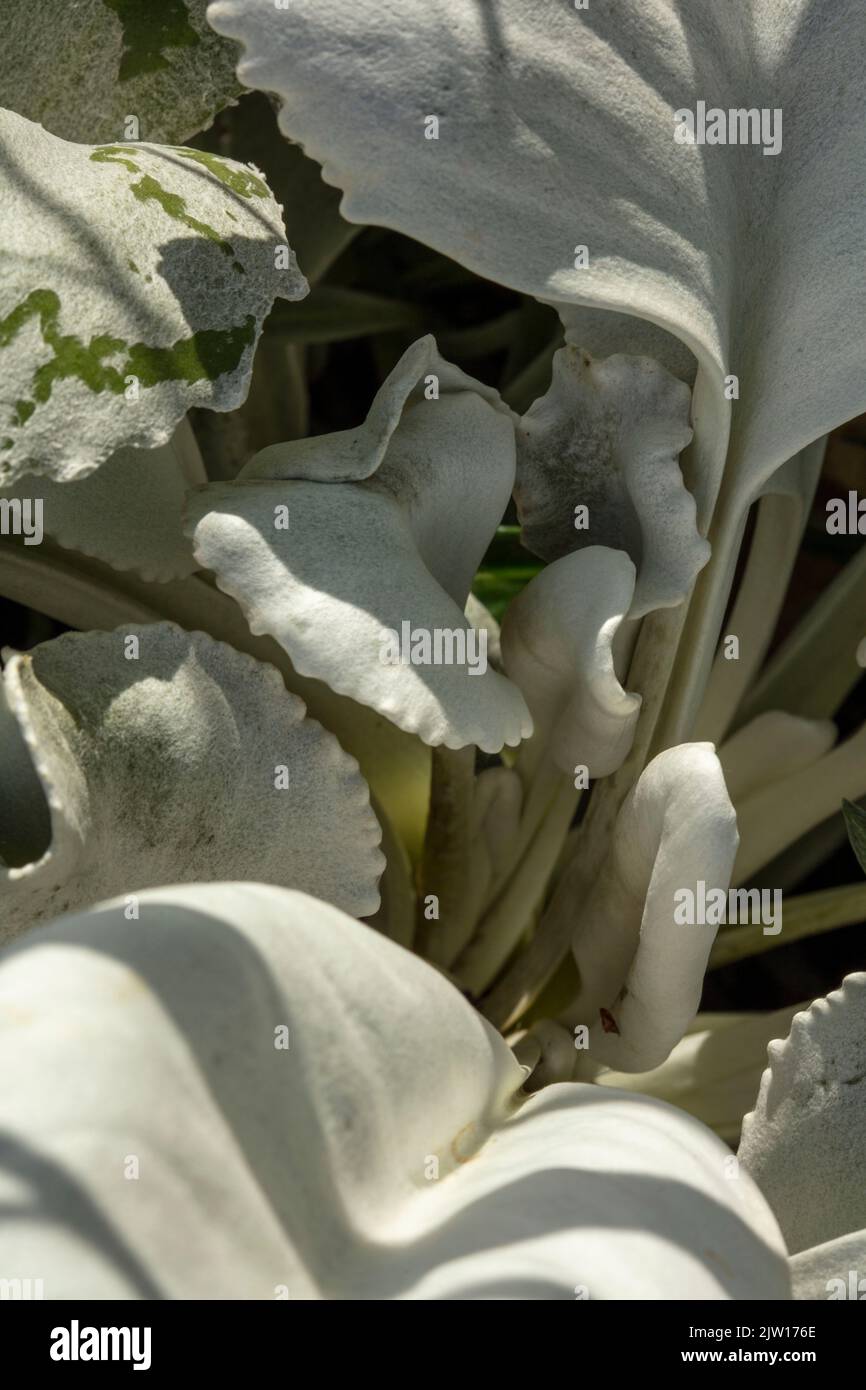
(318, 880)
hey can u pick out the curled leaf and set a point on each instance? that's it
(557, 646)
(149, 755)
(641, 969)
(356, 552)
(606, 438)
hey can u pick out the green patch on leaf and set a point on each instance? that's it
(855, 824)
(240, 181)
(148, 189)
(149, 29)
(208, 354)
(205, 355)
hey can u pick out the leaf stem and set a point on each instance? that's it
(807, 915)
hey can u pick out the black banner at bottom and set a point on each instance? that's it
(162, 1339)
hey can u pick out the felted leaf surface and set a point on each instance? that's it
(557, 129)
(81, 70)
(332, 543)
(607, 436)
(833, 1270)
(179, 764)
(137, 281)
(316, 1112)
(803, 1141)
(129, 512)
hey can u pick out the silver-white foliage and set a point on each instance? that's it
(150, 755)
(804, 1140)
(157, 267)
(557, 129)
(331, 542)
(316, 1113)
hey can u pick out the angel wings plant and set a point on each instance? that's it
(311, 929)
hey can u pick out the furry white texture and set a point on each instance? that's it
(171, 69)
(129, 512)
(312, 1167)
(157, 269)
(607, 435)
(387, 523)
(803, 1141)
(641, 971)
(164, 769)
(557, 128)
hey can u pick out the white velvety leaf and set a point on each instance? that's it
(557, 641)
(641, 971)
(137, 279)
(832, 1271)
(81, 70)
(387, 524)
(355, 455)
(557, 128)
(129, 512)
(607, 436)
(83, 595)
(290, 1083)
(607, 331)
(804, 1141)
(165, 768)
